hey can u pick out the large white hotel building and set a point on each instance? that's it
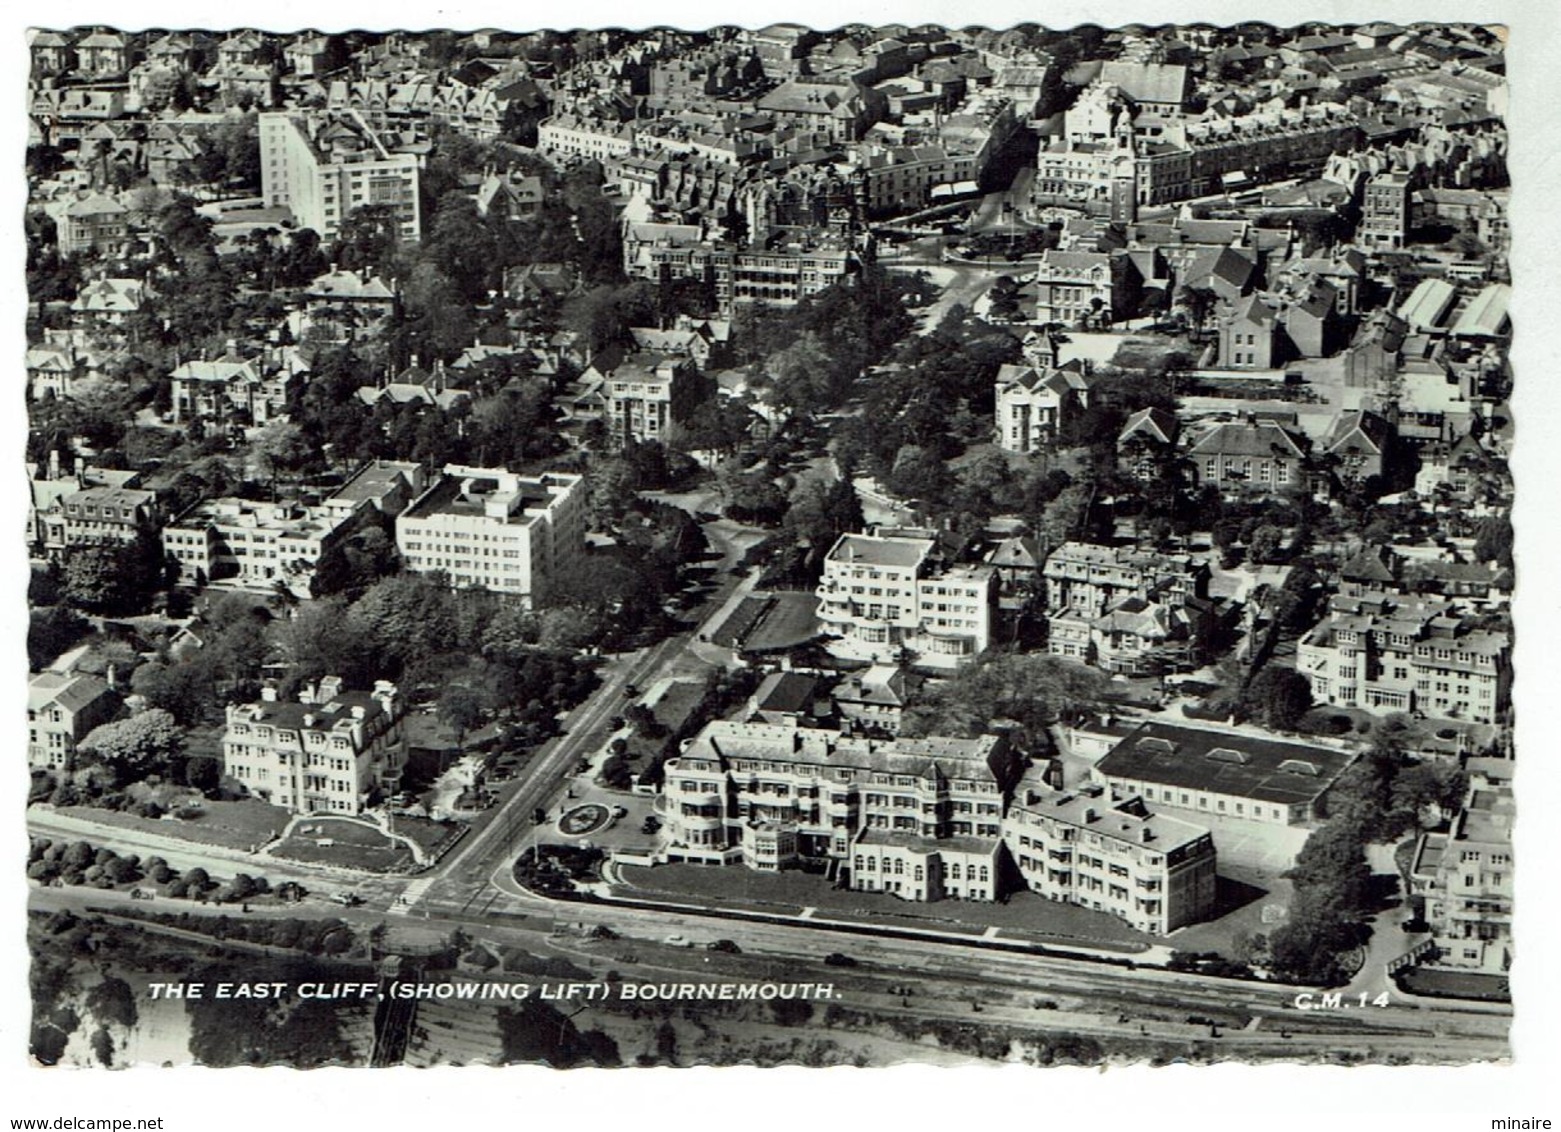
(496, 529)
(323, 167)
(926, 819)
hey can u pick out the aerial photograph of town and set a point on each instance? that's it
(769, 546)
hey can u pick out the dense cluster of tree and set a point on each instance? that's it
(1382, 796)
(1022, 693)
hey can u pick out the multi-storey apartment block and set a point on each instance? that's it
(322, 168)
(497, 529)
(1223, 774)
(61, 709)
(327, 753)
(254, 546)
(1093, 578)
(1384, 654)
(1155, 872)
(1463, 877)
(107, 514)
(919, 818)
(882, 594)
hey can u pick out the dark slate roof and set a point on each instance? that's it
(1267, 770)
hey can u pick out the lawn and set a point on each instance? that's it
(431, 836)
(355, 847)
(1145, 353)
(232, 825)
(342, 832)
(1025, 915)
(738, 623)
(791, 619)
(1438, 983)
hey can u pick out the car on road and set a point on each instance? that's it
(838, 959)
(677, 941)
(727, 946)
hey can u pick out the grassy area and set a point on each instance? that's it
(232, 825)
(353, 845)
(740, 622)
(1024, 916)
(341, 831)
(431, 836)
(791, 619)
(1438, 983)
(381, 859)
(1145, 353)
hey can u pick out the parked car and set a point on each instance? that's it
(728, 946)
(677, 941)
(837, 959)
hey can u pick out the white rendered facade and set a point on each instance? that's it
(493, 528)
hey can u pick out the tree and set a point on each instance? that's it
(369, 237)
(1308, 947)
(460, 709)
(282, 447)
(112, 577)
(186, 689)
(462, 247)
(52, 631)
(1493, 541)
(439, 321)
(1279, 697)
(203, 772)
(1332, 868)
(138, 746)
(320, 638)
(1028, 690)
(1422, 786)
(1264, 545)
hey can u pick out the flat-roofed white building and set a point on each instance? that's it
(497, 529)
(254, 546)
(881, 594)
(323, 167)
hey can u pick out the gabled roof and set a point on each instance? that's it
(1255, 310)
(71, 692)
(1155, 423)
(1225, 265)
(1019, 552)
(1371, 563)
(786, 692)
(349, 285)
(1358, 430)
(1249, 438)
